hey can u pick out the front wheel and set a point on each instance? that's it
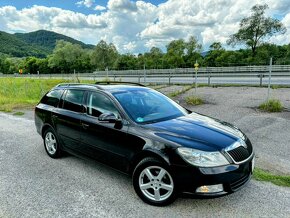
(154, 183)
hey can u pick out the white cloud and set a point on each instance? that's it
(137, 26)
(86, 3)
(283, 39)
(122, 5)
(99, 8)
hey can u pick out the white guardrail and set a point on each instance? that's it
(183, 75)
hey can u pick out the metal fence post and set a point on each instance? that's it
(261, 79)
(269, 83)
(208, 80)
(144, 75)
(139, 77)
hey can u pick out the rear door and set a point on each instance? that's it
(45, 109)
(67, 118)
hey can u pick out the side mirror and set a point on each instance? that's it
(108, 117)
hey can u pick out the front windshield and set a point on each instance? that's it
(146, 106)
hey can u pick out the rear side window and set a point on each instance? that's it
(52, 97)
(73, 100)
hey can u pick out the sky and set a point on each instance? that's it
(136, 26)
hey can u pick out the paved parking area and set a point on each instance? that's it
(34, 185)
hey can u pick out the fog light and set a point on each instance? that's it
(210, 188)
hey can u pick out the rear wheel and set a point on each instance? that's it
(154, 183)
(51, 144)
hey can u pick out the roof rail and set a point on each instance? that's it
(116, 83)
(76, 84)
(68, 84)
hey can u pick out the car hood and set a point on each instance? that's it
(197, 131)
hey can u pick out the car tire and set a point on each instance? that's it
(51, 143)
(154, 182)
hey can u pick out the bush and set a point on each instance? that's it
(193, 100)
(273, 105)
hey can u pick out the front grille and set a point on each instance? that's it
(241, 153)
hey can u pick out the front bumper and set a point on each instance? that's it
(231, 178)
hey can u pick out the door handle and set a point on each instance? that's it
(85, 126)
(54, 116)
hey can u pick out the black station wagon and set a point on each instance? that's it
(166, 148)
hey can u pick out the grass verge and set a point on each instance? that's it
(193, 100)
(273, 105)
(25, 93)
(262, 175)
(19, 113)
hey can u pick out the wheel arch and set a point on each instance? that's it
(147, 153)
(44, 128)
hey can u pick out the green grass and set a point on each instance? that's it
(179, 92)
(273, 105)
(19, 113)
(193, 100)
(279, 86)
(262, 175)
(24, 93)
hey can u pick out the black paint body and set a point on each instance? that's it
(122, 145)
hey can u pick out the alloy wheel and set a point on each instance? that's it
(50, 143)
(156, 183)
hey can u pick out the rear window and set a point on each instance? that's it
(52, 97)
(73, 100)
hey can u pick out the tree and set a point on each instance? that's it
(175, 53)
(256, 28)
(66, 57)
(104, 55)
(216, 50)
(126, 62)
(152, 59)
(30, 65)
(192, 51)
(216, 46)
(192, 46)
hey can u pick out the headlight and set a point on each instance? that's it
(202, 158)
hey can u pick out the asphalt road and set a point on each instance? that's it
(34, 185)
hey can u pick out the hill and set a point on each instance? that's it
(39, 43)
(47, 39)
(12, 45)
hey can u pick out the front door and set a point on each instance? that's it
(102, 140)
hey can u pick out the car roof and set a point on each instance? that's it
(109, 88)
